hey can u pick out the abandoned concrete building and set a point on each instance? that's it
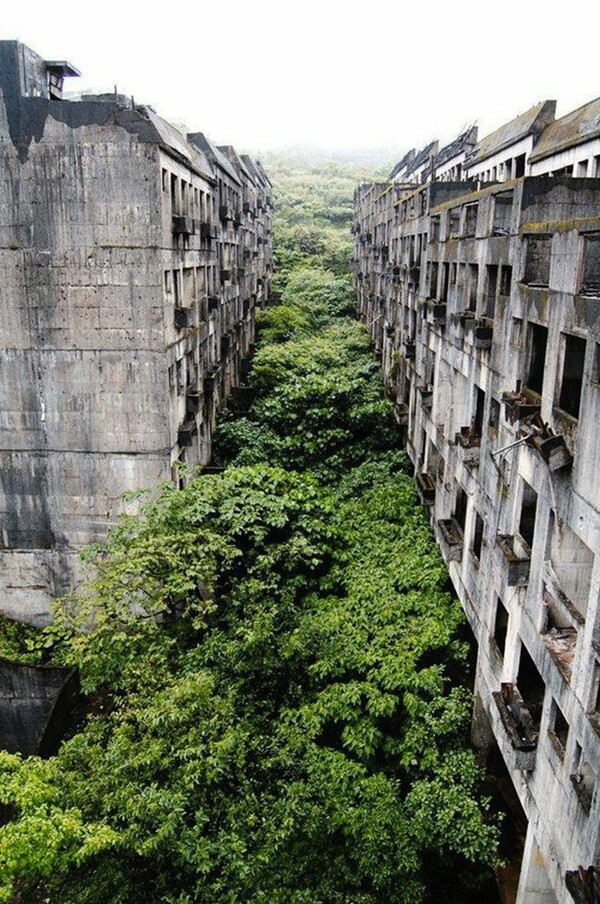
(132, 259)
(477, 267)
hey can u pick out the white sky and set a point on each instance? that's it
(262, 74)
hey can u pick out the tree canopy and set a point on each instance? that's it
(273, 666)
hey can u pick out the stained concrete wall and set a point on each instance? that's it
(127, 307)
(451, 305)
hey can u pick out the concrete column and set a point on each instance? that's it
(534, 883)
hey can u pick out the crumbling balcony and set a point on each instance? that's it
(401, 414)
(426, 393)
(553, 448)
(183, 225)
(426, 488)
(518, 725)
(463, 318)
(468, 446)
(192, 398)
(208, 231)
(409, 349)
(225, 213)
(516, 558)
(214, 302)
(186, 431)
(183, 318)
(451, 539)
(480, 331)
(518, 406)
(561, 643)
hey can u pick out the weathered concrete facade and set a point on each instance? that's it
(132, 259)
(483, 298)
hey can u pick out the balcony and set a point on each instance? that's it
(226, 274)
(186, 431)
(468, 446)
(451, 539)
(518, 725)
(208, 231)
(214, 302)
(426, 488)
(183, 318)
(409, 349)
(225, 213)
(401, 414)
(183, 225)
(192, 398)
(516, 558)
(481, 333)
(553, 449)
(426, 393)
(519, 407)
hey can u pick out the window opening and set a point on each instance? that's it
(460, 507)
(560, 729)
(500, 627)
(531, 686)
(528, 513)
(505, 280)
(492, 286)
(590, 282)
(572, 375)
(478, 536)
(519, 166)
(537, 263)
(538, 339)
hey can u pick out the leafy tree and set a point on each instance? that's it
(273, 668)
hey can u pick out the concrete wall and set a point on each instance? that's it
(457, 285)
(127, 309)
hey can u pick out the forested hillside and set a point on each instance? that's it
(277, 706)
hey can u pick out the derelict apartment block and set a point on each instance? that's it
(478, 272)
(132, 259)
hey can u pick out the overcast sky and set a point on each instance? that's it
(262, 74)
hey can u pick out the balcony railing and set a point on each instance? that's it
(518, 724)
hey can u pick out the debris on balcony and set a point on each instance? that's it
(517, 556)
(519, 407)
(561, 644)
(426, 487)
(517, 723)
(452, 539)
(468, 445)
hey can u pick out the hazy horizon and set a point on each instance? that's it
(329, 75)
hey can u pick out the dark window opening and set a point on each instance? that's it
(445, 281)
(505, 280)
(538, 339)
(519, 166)
(478, 536)
(559, 730)
(492, 286)
(501, 627)
(470, 219)
(590, 282)
(596, 364)
(174, 194)
(503, 204)
(572, 376)
(473, 278)
(537, 263)
(454, 221)
(479, 410)
(460, 508)
(494, 415)
(531, 686)
(433, 279)
(453, 274)
(528, 513)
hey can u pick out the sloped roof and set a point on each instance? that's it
(575, 128)
(463, 142)
(199, 140)
(422, 156)
(532, 122)
(402, 164)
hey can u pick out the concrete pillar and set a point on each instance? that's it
(534, 883)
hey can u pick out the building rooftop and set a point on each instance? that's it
(532, 122)
(576, 127)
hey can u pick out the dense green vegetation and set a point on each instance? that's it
(272, 663)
